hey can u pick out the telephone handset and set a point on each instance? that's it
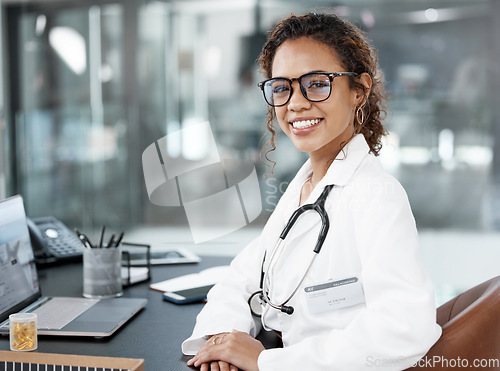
(53, 242)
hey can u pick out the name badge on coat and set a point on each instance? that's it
(334, 295)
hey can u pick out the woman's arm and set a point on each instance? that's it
(227, 306)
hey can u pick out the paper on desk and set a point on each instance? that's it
(206, 277)
(137, 274)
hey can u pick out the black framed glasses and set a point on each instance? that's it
(314, 86)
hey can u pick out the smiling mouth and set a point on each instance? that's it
(305, 124)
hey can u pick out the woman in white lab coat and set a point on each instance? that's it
(364, 301)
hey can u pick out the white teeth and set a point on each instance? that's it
(305, 124)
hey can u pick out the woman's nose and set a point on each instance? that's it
(297, 101)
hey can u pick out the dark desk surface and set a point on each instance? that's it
(155, 333)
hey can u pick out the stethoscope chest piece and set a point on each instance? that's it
(256, 303)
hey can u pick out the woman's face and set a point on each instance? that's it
(333, 118)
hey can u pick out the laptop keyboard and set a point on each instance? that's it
(58, 312)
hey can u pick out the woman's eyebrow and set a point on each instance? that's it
(307, 73)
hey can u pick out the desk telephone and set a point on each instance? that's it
(53, 242)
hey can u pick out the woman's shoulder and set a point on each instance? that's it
(372, 179)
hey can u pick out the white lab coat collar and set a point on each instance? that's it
(340, 171)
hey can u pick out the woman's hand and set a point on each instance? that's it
(217, 366)
(236, 349)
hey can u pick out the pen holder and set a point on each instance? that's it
(102, 272)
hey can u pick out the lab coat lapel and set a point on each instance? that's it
(288, 203)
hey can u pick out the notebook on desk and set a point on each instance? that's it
(20, 291)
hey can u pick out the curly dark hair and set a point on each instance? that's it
(354, 53)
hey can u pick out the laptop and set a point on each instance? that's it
(20, 290)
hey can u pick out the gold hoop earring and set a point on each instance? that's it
(360, 112)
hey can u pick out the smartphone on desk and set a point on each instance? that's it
(191, 295)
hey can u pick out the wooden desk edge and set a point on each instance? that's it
(133, 364)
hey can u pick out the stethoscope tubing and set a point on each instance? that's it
(265, 283)
(317, 206)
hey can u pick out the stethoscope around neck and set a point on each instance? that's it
(262, 296)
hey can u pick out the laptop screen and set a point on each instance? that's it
(18, 275)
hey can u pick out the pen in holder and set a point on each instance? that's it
(102, 272)
(102, 266)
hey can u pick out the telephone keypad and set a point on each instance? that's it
(60, 241)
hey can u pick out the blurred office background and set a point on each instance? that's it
(86, 86)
